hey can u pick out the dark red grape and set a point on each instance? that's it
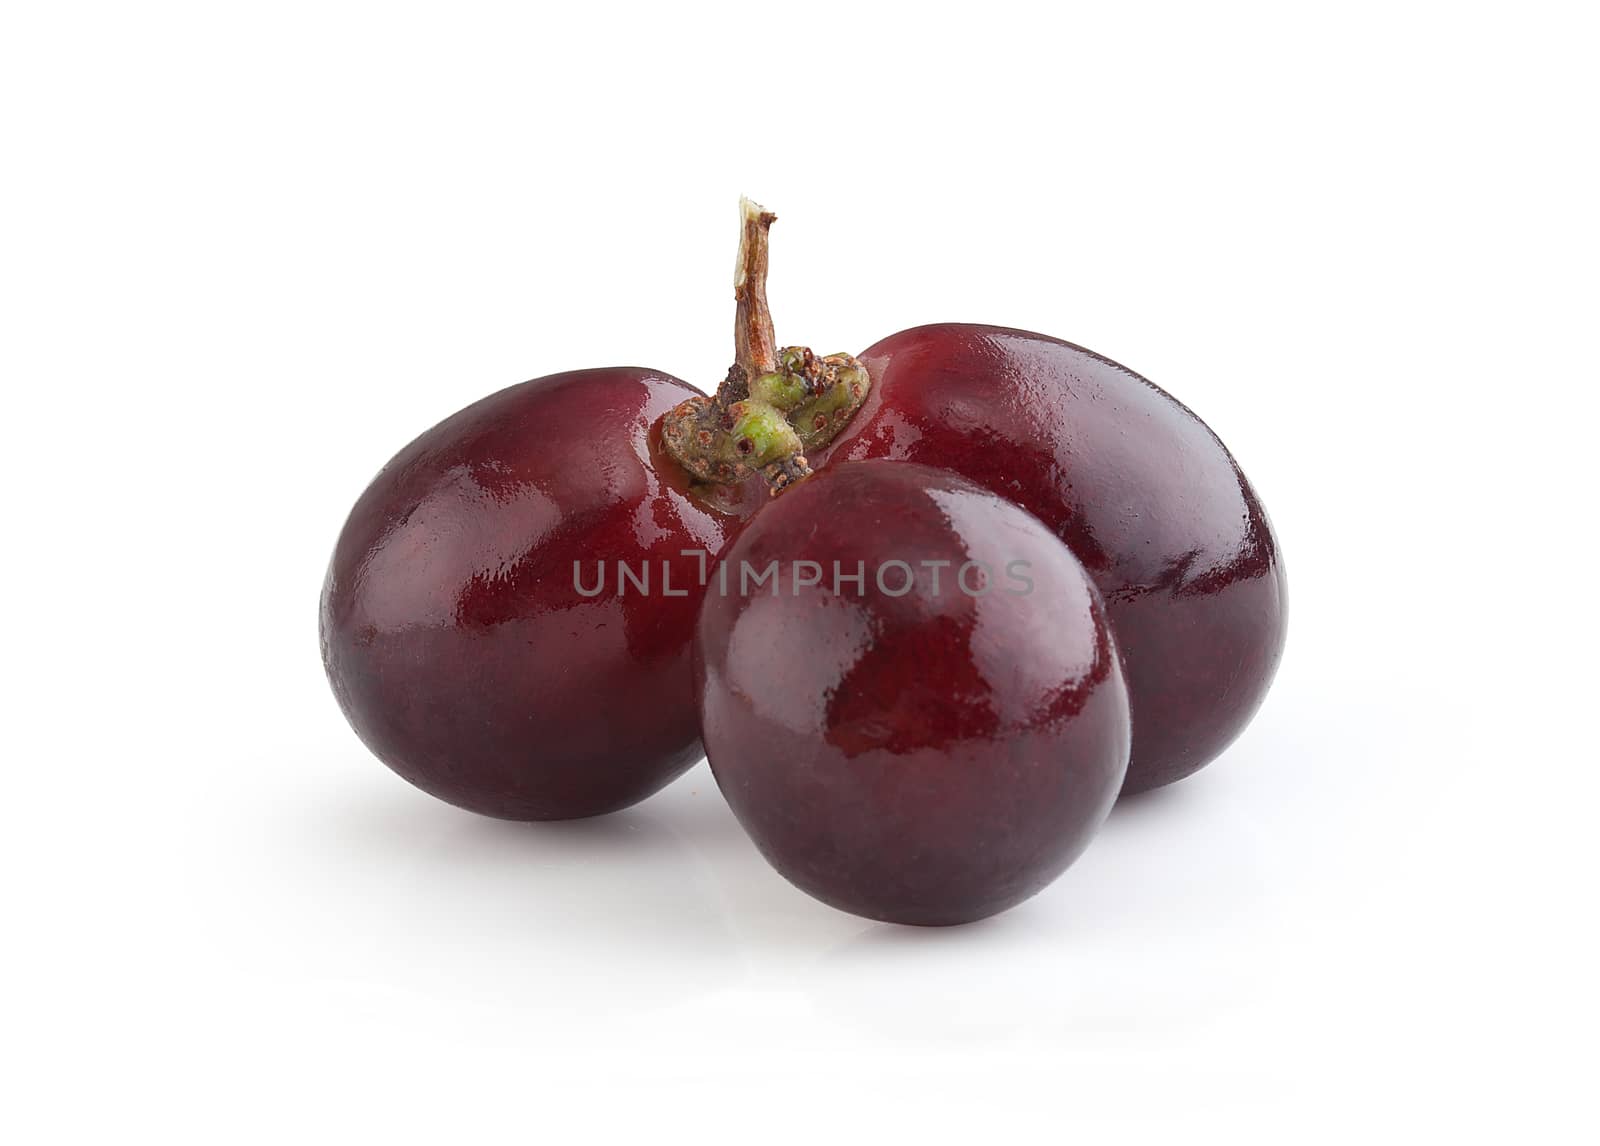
(1138, 488)
(934, 743)
(453, 630)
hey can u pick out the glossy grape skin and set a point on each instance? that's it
(452, 632)
(931, 758)
(1139, 488)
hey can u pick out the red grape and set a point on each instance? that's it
(1137, 487)
(933, 743)
(453, 629)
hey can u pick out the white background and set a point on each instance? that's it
(251, 250)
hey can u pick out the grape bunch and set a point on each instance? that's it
(928, 610)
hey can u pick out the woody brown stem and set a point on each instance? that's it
(754, 341)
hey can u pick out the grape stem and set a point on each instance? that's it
(755, 343)
(774, 405)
